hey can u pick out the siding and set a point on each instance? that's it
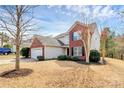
(95, 41)
(53, 52)
(64, 39)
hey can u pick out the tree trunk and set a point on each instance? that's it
(103, 51)
(86, 51)
(2, 39)
(17, 66)
(87, 57)
(103, 55)
(88, 45)
(86, 54)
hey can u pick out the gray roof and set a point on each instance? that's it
(49, 41)
(26, 44)
(62, 34)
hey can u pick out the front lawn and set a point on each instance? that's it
(53, 73)
(9, 56)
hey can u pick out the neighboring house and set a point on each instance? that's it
(25, 43)
(3, 39)
(68, 43)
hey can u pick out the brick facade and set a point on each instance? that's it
(77, 42)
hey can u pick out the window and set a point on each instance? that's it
(76, 36)
(77, 51)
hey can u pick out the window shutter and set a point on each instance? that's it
(72, 51)
(83, 54)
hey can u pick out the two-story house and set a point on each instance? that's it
(68, 43)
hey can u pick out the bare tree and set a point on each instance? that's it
(86, 35)
(17, 20)
(104, 37)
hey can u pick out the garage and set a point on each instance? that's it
(47, 47)
(36, 52)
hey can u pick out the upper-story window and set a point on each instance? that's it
(76, 36)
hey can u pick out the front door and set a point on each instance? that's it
(67, 51)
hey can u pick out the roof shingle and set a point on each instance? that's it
(47, 40)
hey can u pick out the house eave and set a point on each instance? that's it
(56, 46)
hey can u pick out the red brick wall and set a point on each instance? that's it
(77, 42)
(36, 43)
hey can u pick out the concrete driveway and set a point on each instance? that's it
(8, 61)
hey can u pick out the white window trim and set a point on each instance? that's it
(76, 36)
(77, 51)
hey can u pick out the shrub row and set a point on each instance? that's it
(94, 57)
(40, 58)
(64, 57)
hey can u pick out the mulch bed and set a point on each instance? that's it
(14, 73)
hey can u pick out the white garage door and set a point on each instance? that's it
(36, 52)
(53, 52)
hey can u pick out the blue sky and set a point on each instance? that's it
(56, 19)
(53, 20)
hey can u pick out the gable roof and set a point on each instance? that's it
(92, 26)
(48, 41)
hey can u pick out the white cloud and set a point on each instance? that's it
(68, 7)
(69, 14)
(94, 11)
(56, 11)
(66, 13)
(63, 12)
(107, 11)
(104, 12)
(87, 11)
(50, 6)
